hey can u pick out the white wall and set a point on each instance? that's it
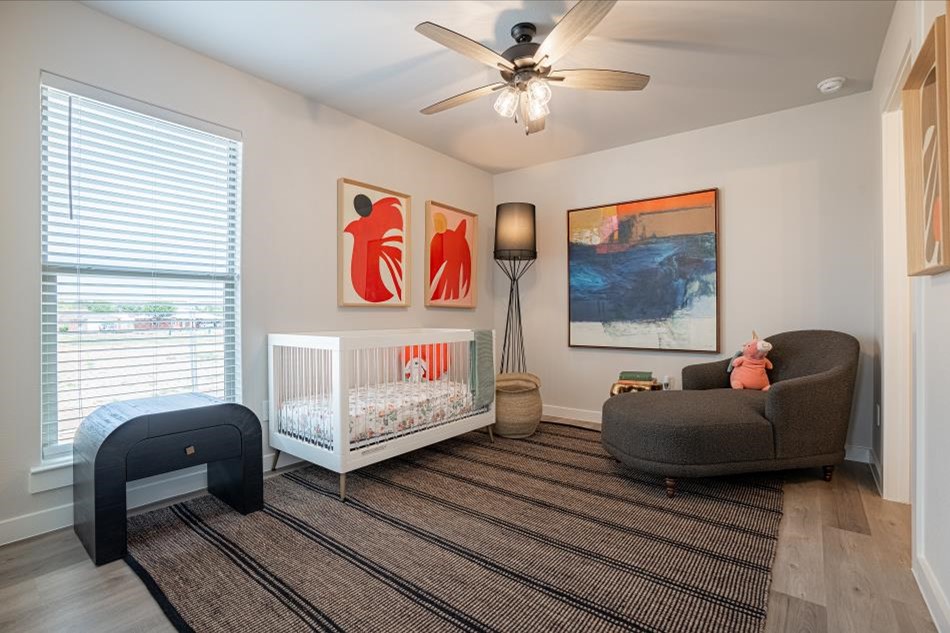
(930, 336)
(294, 152)
(797, 206)
(932, 496)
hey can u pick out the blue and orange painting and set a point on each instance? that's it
(643, 274)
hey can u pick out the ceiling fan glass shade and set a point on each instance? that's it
(507, 102)
(539, 90)
(514, 231)
(537, 110)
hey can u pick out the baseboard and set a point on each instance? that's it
(876, 472)
(854, 453)
(933, 594)
(140, 493)
(584, 415)
(29, 525)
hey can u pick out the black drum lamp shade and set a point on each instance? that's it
(515, 252)
(514, 231)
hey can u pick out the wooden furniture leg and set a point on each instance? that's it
(670, 487)
(273, 465)
(828, 472)
(342, 486)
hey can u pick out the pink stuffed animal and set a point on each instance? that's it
(748, 370)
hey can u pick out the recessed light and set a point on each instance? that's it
(831, 85)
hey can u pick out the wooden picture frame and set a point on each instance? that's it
(924, 105)
(597, 235)
(447, 241)
(369, 274)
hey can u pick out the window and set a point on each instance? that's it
(140, 257)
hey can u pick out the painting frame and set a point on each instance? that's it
(432, 205)
(924, 98)
(406, 260)
(716, 348)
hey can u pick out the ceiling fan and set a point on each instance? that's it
(526, 67)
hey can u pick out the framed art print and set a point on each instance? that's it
(925, 99)
(372, 245)
(451, 256)
(645, 274)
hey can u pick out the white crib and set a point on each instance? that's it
(347, 399)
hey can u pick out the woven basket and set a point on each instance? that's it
(517, 405)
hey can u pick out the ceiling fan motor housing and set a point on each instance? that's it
(521, 55)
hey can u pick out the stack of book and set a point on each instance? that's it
(639, 380)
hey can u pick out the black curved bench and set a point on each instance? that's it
(125, 441)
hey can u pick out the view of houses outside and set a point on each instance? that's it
(148, 347)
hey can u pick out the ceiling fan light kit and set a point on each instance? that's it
(537, 110)
(538, 90)
(507, 102)
(527, 67)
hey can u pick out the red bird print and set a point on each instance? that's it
(450, 260)
(377, 243)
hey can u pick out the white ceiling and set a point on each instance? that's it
(710, 61)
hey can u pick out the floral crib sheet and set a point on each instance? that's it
(377, 411)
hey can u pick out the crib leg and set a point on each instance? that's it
(491, 435)
(273, 465)
(342, 486)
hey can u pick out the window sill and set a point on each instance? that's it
(51, 475)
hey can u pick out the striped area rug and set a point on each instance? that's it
(542, 534)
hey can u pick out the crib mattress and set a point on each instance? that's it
(377, 412)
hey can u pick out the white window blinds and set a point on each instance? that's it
(140, 260)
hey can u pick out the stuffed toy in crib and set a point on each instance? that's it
(425, 362)
(748, 367)
(416, 370)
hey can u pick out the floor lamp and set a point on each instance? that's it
(515, 252)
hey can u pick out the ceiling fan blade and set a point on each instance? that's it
(530, 127)
(465, 46)
(572, 28)
(461, 98)
(598, 79)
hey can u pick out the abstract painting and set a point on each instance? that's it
(926, 161)
(644, 274)
(372, 246)
(451, 256)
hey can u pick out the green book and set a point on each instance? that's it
(636, 375)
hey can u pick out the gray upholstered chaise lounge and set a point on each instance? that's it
(709, 429)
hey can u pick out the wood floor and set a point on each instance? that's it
(843, 564)
(843, 559)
